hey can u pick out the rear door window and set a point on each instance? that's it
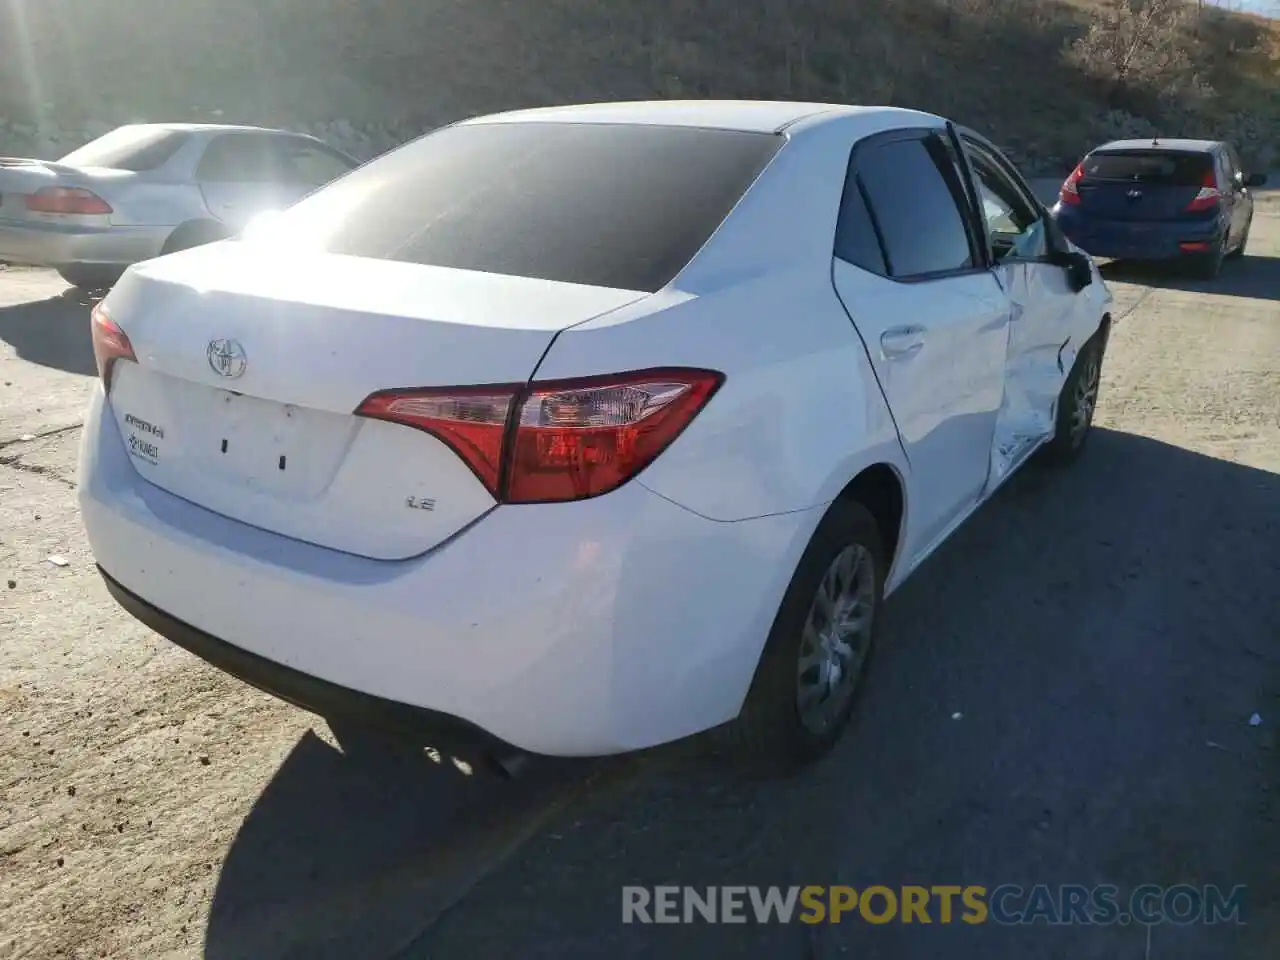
(240, 158)
(135, 148)
(1155, 167)
(917, 209)
(309, 164)
(611, 205)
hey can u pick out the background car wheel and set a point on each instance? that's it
(1238, 252)
(193, 235)
(91, 277)
(1208, 266)
(1077, 403)
(816, 659)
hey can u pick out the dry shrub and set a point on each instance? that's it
(1142, 54)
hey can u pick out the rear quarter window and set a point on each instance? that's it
(137, 149)
(611, 205)
(1155, 167)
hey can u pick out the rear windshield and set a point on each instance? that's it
(129, 148)
(1154, 166)
(610, 205)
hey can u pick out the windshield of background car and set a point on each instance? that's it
(611, 205)
(1163, 167)
(129, 148)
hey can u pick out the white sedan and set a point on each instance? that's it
(580, 430)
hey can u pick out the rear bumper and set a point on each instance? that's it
(302, 690)
(54, 245)
(1123, 240)
(582, 629)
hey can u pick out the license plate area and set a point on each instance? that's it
(263, 445)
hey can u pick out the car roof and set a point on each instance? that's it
(207, 128)
(754, 116)
(1179, 145)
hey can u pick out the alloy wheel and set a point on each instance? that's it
(1086, 398)
(836, 638)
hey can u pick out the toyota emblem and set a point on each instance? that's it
(226, 358)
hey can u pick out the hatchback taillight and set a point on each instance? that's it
(1209, 194)
(67, 200)
(555, 441)
(110, 344)
(1070, 194)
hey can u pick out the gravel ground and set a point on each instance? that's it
(1104, 634)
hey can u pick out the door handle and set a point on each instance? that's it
(899, 343)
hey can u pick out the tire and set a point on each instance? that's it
(1238, 252)
(774, 731)
(195, 234)
(1208, 266)
(91, 277)
(1077, 404)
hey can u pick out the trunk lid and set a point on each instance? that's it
(251, 365)
(21, 176)
(1155, 185)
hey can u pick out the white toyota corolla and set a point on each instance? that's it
(579, 430)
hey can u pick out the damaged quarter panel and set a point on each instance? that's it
(800, 413)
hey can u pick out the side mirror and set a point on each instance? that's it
(1256, 180)
(1078, 266)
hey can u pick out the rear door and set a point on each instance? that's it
(242, 175)
(934, 320)
(1143, 185)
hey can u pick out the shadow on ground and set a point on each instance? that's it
(354, 856)
(52, 333)
(1064, 699)
(1250, 277)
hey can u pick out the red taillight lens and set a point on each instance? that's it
(67, 200)
(581, 439)
(555, 441)
(109, 343)
(1069, 194)
(471, 420)
(1208, 196)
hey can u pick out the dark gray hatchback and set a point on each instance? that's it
(1185, 200)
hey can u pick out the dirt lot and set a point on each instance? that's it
(1105, 636)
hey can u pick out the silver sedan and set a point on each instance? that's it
(145, 190)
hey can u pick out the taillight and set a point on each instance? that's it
(1208, 196)
(555, 441)
(1070, 194)
(110, 344)
(471, 420)
(67, 200)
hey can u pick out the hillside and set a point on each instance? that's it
(392, 68)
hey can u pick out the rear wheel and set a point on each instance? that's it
(195, 234)
(90, 277)
(818, 653)
(1208, 266)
